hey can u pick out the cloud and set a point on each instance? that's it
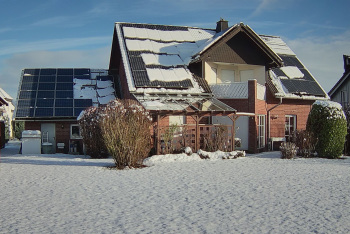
(264, 4)
(10, 69)
(323, 56)
(12, 47)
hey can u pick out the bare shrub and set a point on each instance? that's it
(168, 138)
(306, 143)
(216, 139)
(288, 150)
(126, 132)
(91, 133)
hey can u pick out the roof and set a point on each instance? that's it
(5, 95)
(61, 92)
(3, 102)
(344, 77)
(182, 104)
(293, 79)
(156, 58)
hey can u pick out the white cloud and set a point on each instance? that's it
(323, 56)
(12, 47)
(11, 68)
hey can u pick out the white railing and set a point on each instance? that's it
(234, 90)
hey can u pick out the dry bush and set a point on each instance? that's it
(168, 138)
(216, 139)
(306, 143)
(126, 132)
(91, 133)
(288, 150)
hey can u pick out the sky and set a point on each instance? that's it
(62, 33)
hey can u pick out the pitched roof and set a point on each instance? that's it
(344, 77)
(5, 95)
(62, 92)
(292, 80)
(156, 59)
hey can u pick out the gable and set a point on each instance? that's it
(237, 48)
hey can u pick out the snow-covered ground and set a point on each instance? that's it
(255, 194)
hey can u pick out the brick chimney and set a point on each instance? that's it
(346, 63)
(221, 25)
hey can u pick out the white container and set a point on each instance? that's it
(31, 142)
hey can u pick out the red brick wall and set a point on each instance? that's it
(62, 133)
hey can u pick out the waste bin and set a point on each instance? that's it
(31, 142)
(46, 148)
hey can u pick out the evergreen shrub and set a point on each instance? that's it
(327, 122)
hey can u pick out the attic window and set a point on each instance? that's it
(292, 72)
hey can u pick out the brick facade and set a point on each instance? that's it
(62, 134)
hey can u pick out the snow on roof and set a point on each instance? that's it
(5, 95)
(277, 45)
(292, 72)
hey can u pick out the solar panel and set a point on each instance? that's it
(64, 86)
(29, 86)
(64, 79)
(46, 86)
(25, 103)
(47, 79)
(31, 71)
(44, 102)
(64, 112)
(43, 112)
(64, 103)
(81, 71)
(46, 94)
(27, 94)
(48, 71)
(25, 112)
(77, 111)
(291, 60)
(64, 94)
(30, 79)
(82, 102)
(64, 71)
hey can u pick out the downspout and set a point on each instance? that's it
(268, 115)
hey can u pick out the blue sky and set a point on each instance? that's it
(61, 33)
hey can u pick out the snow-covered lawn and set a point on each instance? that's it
(256, 194)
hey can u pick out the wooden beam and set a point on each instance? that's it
(158, 135)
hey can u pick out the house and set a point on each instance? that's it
(6, 112)
(197, 78)
(50, 99)
(341, 90)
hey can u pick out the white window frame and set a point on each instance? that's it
(290, 125)
(344, 98)
(71, 132)
(261, 131)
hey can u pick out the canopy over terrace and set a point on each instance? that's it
(197, 106)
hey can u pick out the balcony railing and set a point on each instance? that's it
(236, 90)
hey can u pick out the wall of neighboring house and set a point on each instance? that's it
(62, 134)
(342, 95)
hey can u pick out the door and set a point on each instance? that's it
(49, 130)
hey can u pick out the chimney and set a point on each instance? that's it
(346, 62)
(221, 25)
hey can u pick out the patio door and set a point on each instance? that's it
(290, 126)
(48, 134)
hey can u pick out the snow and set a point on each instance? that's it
(277, 45)
(292, 72)
(172, 74)
(259, 193)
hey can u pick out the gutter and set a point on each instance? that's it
(268, 115)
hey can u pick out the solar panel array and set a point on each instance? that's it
(49, 93)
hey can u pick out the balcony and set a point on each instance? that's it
(237, 90)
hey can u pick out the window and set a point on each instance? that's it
(75, 132)
(246, 75)
(213, 75)
(343, 98)
(290, 126)
(261, 131)
(227, 76)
